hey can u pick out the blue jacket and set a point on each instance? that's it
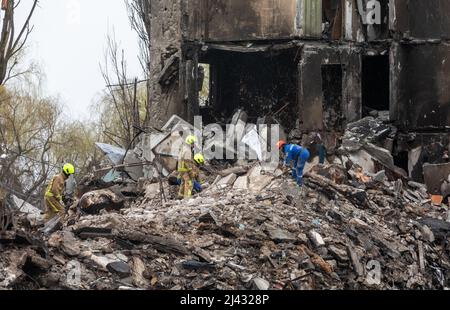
(293, 153)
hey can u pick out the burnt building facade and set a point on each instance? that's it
(314, 65)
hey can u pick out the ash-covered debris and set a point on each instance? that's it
(348, 227)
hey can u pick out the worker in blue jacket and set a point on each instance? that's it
(296, 155)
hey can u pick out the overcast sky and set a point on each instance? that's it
(68, 41)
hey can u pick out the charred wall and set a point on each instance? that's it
(167, 71)
(420, 19)
(313, 106)
(237, 20)
(422, 93)
(261, 83)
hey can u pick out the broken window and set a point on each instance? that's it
(375, 84)
(332, 96)
(261, 83)
(401, 160)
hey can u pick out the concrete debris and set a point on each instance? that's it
(95, 201)
(251, 229)
(113, 153)
(279, 235)
(120, 268)
(261, 284)
(70, 245)
(241, 183)
(227, 181)
(435, 177)
(316, 239)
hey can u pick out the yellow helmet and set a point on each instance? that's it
(199, 159)
(191, 140)
(69, 169)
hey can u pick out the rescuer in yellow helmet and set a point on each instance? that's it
(185, 167)
(53, 195)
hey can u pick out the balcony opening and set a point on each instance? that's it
(332, 96)
(264, 84)
(375, 84)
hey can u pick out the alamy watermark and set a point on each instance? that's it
(233, 142)
(371, 12)
(373, 276)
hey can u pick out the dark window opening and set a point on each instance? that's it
(332, 19)
(375, 84)
(262, 84)
(332, 96)
(401, 160)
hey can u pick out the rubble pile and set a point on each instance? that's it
(348, 227)
(254, 231)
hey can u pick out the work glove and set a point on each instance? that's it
(197, 187)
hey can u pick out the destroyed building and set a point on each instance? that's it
(315, 65)
(376, 92)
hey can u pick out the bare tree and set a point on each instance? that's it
(28, 126)
(140, 14)
(121, 96)
(11, 40)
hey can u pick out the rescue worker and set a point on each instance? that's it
(53, 196)
(296, 155)
(317, 143)
(186, 166)
(199, 161)
(198, 178)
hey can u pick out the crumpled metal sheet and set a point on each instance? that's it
(115, 154)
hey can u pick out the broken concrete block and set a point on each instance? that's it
(241, 183)
(339, 254)
(364, 160)
(55, 240)
(227, 181)
(440, 228)
(359, 223)
(38, 261)
(302, 238)
(316, 239)
(134, 170)
(95, 201)
(138, 271)
(260, 183)
(427, 234)
(70, 245)
(381, 154)
(52, 225)
(379, 176)
(152, 190)
(357, 266)
(120, 268)
(101, 261)
(434, 176)
(254, 172)
(278, 172)
(279, 235)
(33, 214)
(261, 284)
(114, 154)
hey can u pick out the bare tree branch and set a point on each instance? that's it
(10, 44)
